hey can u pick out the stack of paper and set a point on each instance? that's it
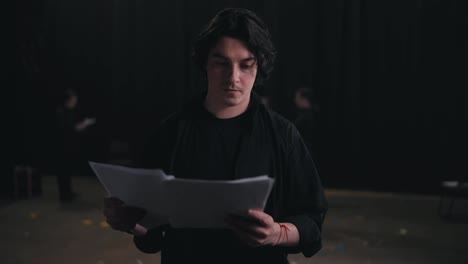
(183, 203)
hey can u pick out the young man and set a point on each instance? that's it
(228, 134)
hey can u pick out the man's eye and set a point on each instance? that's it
(221, 63)
(246, 66)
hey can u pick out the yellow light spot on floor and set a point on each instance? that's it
(87, 222)
(104, 224)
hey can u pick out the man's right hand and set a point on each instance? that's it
(120, 216)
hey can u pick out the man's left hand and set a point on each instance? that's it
(256, 228)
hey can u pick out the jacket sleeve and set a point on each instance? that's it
(306, 204)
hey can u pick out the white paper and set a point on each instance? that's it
(205, 204)
(184, 203)
(136, 187)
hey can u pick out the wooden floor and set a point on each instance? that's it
(361, 227)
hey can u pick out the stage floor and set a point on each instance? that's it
(361, 227)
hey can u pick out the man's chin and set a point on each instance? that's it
(232, 101)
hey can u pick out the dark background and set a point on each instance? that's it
(390, 77)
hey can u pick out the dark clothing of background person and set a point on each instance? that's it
(194, 144)
(307, 124)
(67, 150)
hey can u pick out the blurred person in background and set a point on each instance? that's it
(69, 127)
(306, 117)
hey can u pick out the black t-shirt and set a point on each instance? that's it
(214, 149)
(209, 160)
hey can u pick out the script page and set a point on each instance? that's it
(136, 187)
(206, 203)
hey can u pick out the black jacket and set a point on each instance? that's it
(271, 145)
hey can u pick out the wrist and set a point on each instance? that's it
(289, 235)
(283, 234)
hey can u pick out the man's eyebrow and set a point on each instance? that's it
(220, 56)
(248, 59)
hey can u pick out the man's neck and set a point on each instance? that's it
(222, 111)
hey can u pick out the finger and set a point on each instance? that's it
(247, 238)
(260, 217)
(246, 226)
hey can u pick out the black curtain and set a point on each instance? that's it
(388, 75)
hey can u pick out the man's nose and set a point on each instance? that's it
(234, 73)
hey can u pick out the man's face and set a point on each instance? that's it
(231, 70)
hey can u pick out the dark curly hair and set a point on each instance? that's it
(241, 24)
